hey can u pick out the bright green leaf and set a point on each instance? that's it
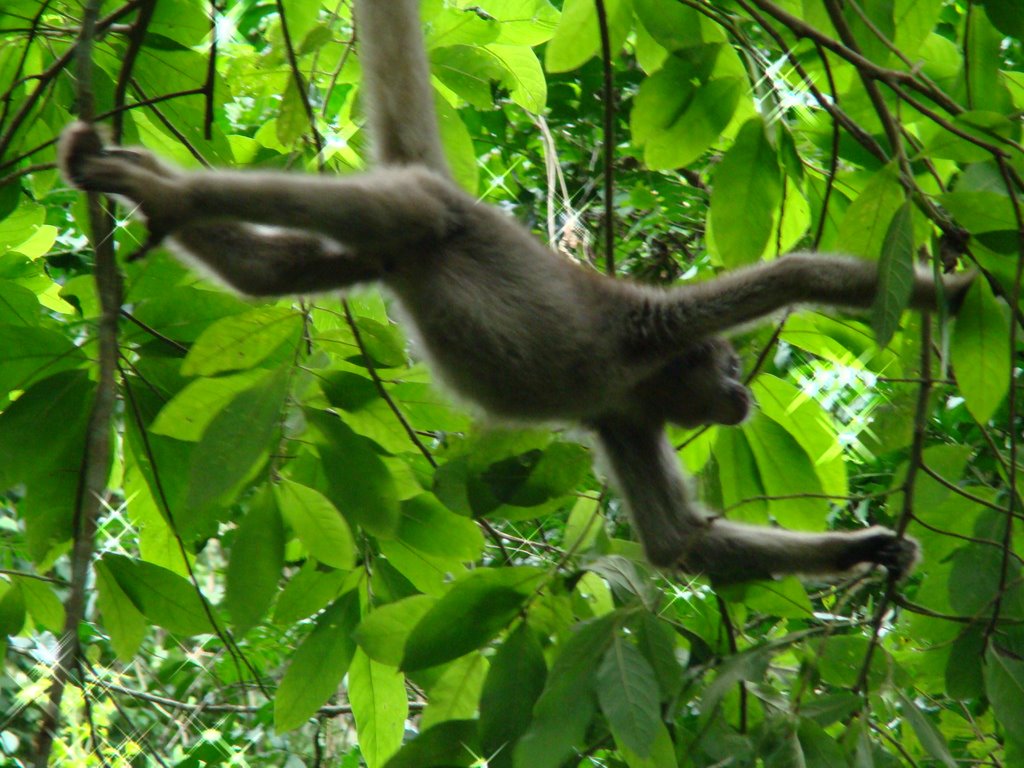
(379, 706)
(895, 275)
(163, 597)
(383, 633)
(981, 351)
(239, 342)
(317, 523)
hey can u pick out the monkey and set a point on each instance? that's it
(505, 322)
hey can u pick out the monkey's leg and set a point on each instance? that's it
(734, 551)
(659, 323)
(646, 472)
(675, 531)
(271, 262)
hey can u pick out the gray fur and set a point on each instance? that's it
(507, 323)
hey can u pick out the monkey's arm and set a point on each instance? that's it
(667, 321)
(677, 532)
(273, 262)
(383, 212)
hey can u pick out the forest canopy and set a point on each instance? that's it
(257, 533)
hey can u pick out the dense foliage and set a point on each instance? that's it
(254, 533)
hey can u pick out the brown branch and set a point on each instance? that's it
(92, 481)
(609, 139)
(135, 38)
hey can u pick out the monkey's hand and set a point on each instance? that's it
(158, 191)
(882, 546)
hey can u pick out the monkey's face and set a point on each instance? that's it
(703, 386)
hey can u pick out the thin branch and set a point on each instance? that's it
(92, 481)
(609, 139)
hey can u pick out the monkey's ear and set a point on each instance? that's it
(78, 142)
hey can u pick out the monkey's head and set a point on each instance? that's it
(701, 385)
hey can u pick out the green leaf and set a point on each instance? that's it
(239, 342)
(676, 121)
(254, 569)
(513, 685)
(1004, 684)
(454, 744)
(121, 619)
(428, 526)
(981, 351)
(318, 665)
(28, 354)
(568, 703)
(577, 38)
(863, 228)
(19, 307)
(234, 446)
(42, 432)
(473, 612)
(980, 210)
(163, 597)
(358, 481)
(456, 693)
(928, 734)
(746, 196)
(12, 608)
(307, 592)
(785, 598)
(461, 157)
(895, 275)
(42, 602)
(379, 706)
(383, 633)
(317, 523)
(191, 410)
(628, 694)
(657, 642)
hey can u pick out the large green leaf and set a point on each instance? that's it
(577, 38)
(254, 569)
(981, 351)
(513, 685)
(454, 744)
(1004, 684)
(317, 523)
(568, 703)
(358, 481)
(455, 695)
(241, 341)
(318, 664)
(383, 633)
(746, 196)
(676, 121)
(429, 527)
(628, 693)
(28, 354)
(232, 448)
(473, 612)
(125, 623)
(162, 596)
(895, 275)
(379, 706)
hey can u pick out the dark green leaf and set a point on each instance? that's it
(254, 569)
(473, 612)
(163, 597)
(568, 703)
(928, 734)
(454, 744)
(1004, 684)
(318, 665)
(895, 275)
(628, 694)
(383, 633)
(513, 686)
(125, 623)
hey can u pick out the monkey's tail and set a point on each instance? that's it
(399, 98)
